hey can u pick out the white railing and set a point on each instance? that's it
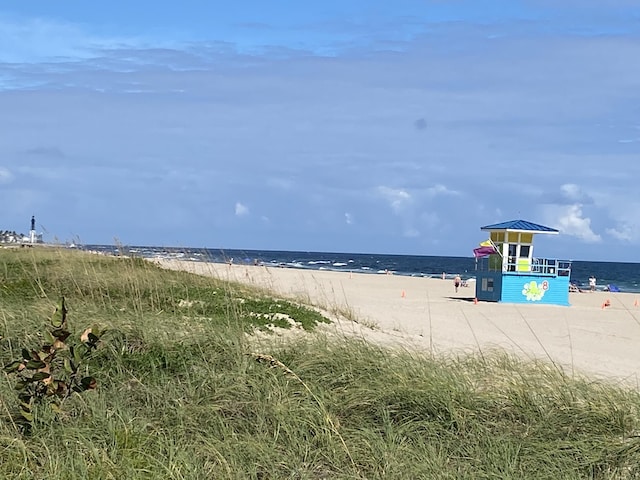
(516, 266)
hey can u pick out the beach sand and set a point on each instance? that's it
(427, 314)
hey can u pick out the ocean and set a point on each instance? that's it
(626, 276)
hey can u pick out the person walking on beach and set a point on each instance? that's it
(592, 283)
(457, 282)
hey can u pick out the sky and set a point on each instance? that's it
(361, 126)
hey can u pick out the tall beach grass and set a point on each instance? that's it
(187, 390)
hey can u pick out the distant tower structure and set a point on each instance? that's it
(511, 274)
(32, 232)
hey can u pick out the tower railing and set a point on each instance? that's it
(519, 266)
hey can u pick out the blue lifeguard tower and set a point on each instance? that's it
(507, 271)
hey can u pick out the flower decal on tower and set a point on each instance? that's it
(533, 291)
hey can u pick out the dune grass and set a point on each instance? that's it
(187, 391)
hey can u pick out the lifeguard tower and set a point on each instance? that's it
(507, 271)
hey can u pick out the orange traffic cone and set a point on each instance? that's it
(475, 300)
(402, 294)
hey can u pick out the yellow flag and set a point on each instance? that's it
(486, 243)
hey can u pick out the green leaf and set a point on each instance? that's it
(35, 364)
(61, 334)
(79, 352)
(25, 398)
(26, 354)
(28, 416)
(40, 376)
(21, 384)
(49, 337)
(13, 366)
(69, 366)
(88, 383)
(60, 315)
(99, 332)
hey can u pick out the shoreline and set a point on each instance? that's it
(428, 315)
(617, 274)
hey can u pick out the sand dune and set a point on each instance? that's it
(427, 314)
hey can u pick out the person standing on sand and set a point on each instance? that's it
(457, 281)
(592, 283)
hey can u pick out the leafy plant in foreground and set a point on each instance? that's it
(55, 371)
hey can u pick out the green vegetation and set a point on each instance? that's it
(186, 390)
(51, 374)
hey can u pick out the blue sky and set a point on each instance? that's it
(361, 126)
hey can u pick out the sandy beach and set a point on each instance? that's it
(427, 314)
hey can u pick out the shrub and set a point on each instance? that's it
(52, 373)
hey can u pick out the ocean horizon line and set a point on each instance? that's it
(306, 252)
(624, 275)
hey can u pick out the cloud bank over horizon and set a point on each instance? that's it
(369, 129)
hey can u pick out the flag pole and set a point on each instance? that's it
(495, 248)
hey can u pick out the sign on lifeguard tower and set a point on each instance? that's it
(507, 271)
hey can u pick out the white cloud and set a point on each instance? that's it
(5, 176)
(571, 191)
(625, 233)
(575, 194)
(625, 217)
(348, 218)
(411, 233)
(570, 220)
(37, 39)
(280, 183)
(440, 190)
(398, 199)
(241, 209)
